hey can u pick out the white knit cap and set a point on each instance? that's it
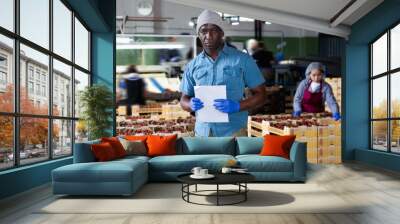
(208, 16)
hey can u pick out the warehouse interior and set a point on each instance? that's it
(141, 50)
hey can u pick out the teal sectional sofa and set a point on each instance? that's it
(125, 176)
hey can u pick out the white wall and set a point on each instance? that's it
(182, 14)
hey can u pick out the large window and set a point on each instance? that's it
(385, 95)
(40, 80)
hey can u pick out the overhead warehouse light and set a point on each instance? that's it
(268, 23)
(151, 45)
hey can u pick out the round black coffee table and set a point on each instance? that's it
(238, 179)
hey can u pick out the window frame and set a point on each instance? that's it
(16, 114)
(388, 74)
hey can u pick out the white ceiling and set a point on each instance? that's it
(321, 9)
(314, 15)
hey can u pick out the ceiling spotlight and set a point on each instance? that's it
(268, 23)
(191, 23)
(234, 20)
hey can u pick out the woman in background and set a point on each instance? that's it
(313, 92)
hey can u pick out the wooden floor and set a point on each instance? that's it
(377, 188)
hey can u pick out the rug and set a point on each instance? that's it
(166, 198)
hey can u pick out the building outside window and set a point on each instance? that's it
(34, 82)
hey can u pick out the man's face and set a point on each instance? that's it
(316, 75)
(211, 36)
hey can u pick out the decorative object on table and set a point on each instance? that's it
(200, 173)
(97, 106)
(231, 163)
(229, 170)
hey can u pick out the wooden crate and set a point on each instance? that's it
(323, 142)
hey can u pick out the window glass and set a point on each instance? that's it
(62, 138)
(6, 74)
(81, 82)
(379, 98)
(81, 45)
(31, 58)
(379, 135)
(395, 47)
(62, 29)
(379, 56)
(62, 91)
(7, 14)
(6, 142)
(34, 143)
(34, 21)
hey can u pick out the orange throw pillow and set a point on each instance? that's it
(103, 152)
(136, 138)
(275, 145)
(161, 145)
(116, 145)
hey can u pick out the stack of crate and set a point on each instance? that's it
(154, 108)
(173, 111)
(329, 143)
(336, 84)
(322, 135)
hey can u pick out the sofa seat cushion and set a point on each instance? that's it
(185, 163)
(257, 163)
(112, 171)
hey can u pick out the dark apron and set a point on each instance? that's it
(312, 102)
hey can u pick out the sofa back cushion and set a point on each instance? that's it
(161, 145)
(83, 153)
(249, 145)
(206, 145)
(104, 152)
(116, 145)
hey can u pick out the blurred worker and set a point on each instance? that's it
(313, 92)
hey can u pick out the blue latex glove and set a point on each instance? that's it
(336, 116)
(196, 104)
(296, 114)
(227, 106)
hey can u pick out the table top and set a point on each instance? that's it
(220, 178)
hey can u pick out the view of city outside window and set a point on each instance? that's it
(81, 81)
(395, 129)
(81, 45)
(33, 145)
(37, 103)
(6, 75)
(379, 97)
(35, 25)
(62, 137)
(34, 88)
(384, 138)
(62, 29)
(62, 89)
(379, 133)
(7, 14)
(6, 142)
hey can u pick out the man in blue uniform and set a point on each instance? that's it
(220, 64)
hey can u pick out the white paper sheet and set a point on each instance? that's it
(207, 94)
